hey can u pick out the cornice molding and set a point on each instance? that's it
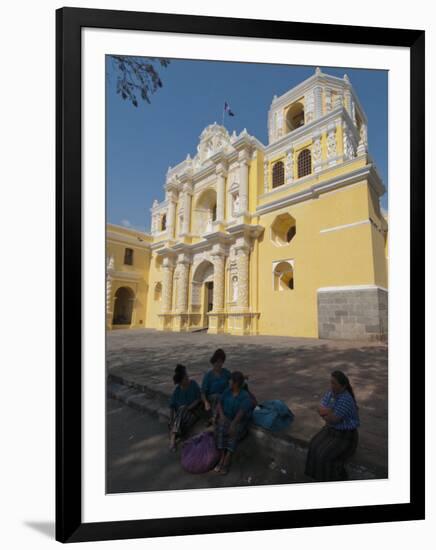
(367, 172)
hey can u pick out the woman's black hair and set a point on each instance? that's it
(343, 380)
(238, 377)
(179, 373)
(219, 354)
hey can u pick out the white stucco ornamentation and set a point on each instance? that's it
(338, 102)
(317, 153)
(234, 288)
(265, 176)
(310, 107)
(235, 204)
(214, 138)
(243, 254)
(317, 102)
(363, 140)
(182, 286)
(331, 143)
(218, 281)
(279, 127)
(328, 99)
(349, 149)
(289, 166)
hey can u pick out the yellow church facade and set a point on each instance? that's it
(280, 239)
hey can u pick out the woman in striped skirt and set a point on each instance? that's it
(337, 441)
(184, 405)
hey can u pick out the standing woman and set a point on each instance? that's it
(234, 413)
(184, 405)
(215, 382)
(338, 439)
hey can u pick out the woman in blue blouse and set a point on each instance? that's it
(337, 441)
(234, 412)
(184, 405)
(215, 382)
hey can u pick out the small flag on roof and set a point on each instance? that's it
(227, 109)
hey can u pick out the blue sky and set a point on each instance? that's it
(142, 142)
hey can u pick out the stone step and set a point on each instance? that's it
(276, 446)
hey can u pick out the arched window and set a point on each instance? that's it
(304, 163)
(163, 223)
(278, 174)
(283, 276)
(295, 116)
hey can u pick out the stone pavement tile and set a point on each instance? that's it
(296, 370)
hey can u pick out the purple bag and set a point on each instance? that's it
(199, 453)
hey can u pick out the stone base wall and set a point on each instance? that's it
(353, 313)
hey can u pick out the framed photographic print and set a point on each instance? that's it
(236, 200)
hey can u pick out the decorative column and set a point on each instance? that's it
(183, 271)
(216, 316)
(317, 152)
(265, 177)
(362, 148)
(220, 192)
(187, 195)
(181, 299)
(218, 281)
(317, 95)
(289, 166)
(328, 99)
(167, 291)
(243, 181)
(331, 144)
(242, 259)
(348, 144)
(171, 213)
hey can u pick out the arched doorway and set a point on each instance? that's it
(123, 308)
(202, 291)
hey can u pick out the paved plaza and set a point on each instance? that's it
(295, 370)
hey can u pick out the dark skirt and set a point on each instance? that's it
(222, 437)
(183, 420)
(328, 452)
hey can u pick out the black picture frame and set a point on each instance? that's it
(69, 525)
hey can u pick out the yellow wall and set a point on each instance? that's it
(122, 277)
(336, 258)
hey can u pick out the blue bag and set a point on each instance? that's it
(273, 415)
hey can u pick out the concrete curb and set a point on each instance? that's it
(278, 445)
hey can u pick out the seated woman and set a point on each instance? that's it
(337, 440)
(234, 412)
(215, 382)
(184, 405)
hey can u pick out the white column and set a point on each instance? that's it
(171, 214)
(243, 255)
(187, 209)
(167, 284)
(317, 152)
(363, 140)
(265, 177)
(289, 166)
(218, 281)
(220, 192)
(243, 181)
(182, 287)
(317, 93)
